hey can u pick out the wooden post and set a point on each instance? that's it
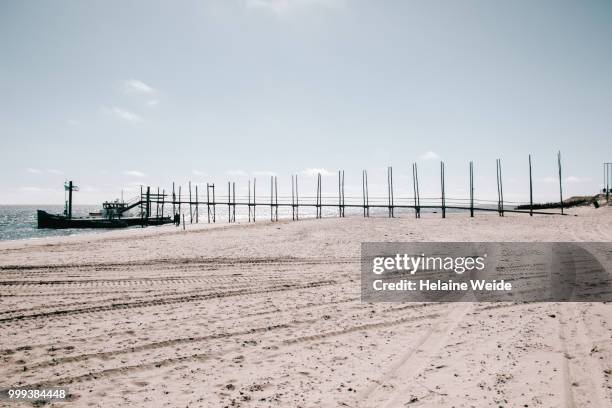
(530, 190)
(197, 206)
(249, 202)
(229, 205)
(343, 203)
(148, 203)
(271, 198)
(471, 189)
(157, 204)
(607, 179)
(173, 201)
(234, 200)
(179, 200)
(500, 189)
(163, 202)
(183, 222)
(414, 194)
(214, 205)
(292, 198)
(560, 182)
(254, 198)
(367, 194)
(276, 197)
(318, 201)
(415, 189)
(363, 191)
(339, 196)
(190, 203)
(297, 199)
(208, 202)
(442, 187)
(390, 198)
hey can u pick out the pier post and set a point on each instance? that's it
(254, 198)
(363, 191)
(343, 203)
(367, 194)
(197, 206)
(157, 204)
(472, 189)
(148, 203)
(414, 194)
(276, 197)
(530, 190)
(319, 198)
(292, 198)
(297, 199)
(173, 200)
(234, 201)
(163, 202)
(500, 189)
(608, 176)
(208, 202)
(415, 188)
(560, 182)
(214, 204)
(249, 201)
(190, 204)
(442, 188)
(390, 203)
(339, 196)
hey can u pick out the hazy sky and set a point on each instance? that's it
(113, 94)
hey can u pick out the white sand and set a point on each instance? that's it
(268, 314)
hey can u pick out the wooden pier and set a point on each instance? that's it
(153, 204)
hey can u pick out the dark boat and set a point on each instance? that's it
(110, 217)
(56, 221)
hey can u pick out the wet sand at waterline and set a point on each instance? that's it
(269, 314)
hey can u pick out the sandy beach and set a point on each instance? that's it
(269, 314)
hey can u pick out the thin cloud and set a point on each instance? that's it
(72, 122)
(137, 86)
(153, 103)
(429, 155)
(576, 180)
(55, 171)
(32, 170)
(134, 173)
(123, 114)
(198, 173)
(315, 171)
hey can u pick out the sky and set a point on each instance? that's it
(118, 94)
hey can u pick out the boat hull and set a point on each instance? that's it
(55, 221)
